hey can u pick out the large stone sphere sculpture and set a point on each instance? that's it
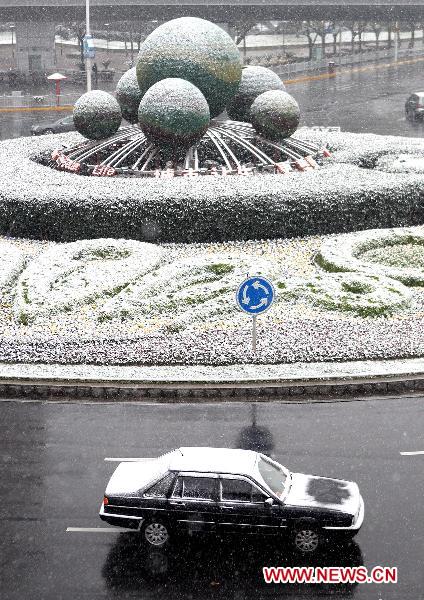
(97, 115)
(129, 95)
(254, 82)
(195, 50)
(275, 115)
(174, 113)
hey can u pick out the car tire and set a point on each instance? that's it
(306, 539)
(156, 533)
(48, 131)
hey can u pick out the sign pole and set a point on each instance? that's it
(254, 334)
(87, 32)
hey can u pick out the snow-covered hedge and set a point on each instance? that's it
(38, 202)
(373, 252)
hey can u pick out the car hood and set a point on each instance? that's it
(323, 492)
(130, 477)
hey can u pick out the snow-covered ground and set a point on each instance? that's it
(128, 302)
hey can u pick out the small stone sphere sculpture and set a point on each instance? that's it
(275, 115)
(196, 50)
(254, 82)
(129, 95)
(174, 113)
(97, 115)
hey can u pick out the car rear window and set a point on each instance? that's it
(162, 488)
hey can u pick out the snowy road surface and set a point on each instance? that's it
(54, 474)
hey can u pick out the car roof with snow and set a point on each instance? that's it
(213, 460)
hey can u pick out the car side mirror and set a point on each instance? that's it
(269, 502)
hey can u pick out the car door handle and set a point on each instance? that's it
(229, 507)
(177, 503)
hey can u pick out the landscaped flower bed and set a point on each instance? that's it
(347, 193)
(128, 302)
(395, 253)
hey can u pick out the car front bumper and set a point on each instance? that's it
(127, 521)
(356, 525)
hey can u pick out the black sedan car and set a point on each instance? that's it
(220, 491)
(60, 126)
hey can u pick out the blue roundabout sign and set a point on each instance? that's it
(255, 295)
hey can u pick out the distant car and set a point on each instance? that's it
(414, 107)
(220, 490)
(60, 126)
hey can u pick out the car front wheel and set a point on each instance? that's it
(156, 533)
(306, 539)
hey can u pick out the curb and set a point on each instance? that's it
(103, 391)
(299, 382)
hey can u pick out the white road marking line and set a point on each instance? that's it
(98, 529)
(412, 453)
(109, 459)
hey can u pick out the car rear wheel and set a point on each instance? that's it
(306, 539)
(156, 533)
(48, 131)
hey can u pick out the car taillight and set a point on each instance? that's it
(105, 501)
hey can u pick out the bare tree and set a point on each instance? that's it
(412, 26)
(377, 29)
(356, 29)
(309, 29)
(336, 30)
(77, 29)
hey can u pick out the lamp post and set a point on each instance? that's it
(396, 30)
(12, 29)
(88, 59)
(107, 25)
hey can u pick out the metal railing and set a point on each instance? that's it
(290, 69)
(38, 101)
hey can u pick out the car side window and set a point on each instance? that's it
(258, 496)
(161, 488)
(199, 488)
(236, 490)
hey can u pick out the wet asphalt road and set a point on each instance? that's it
(53, 475)
(368, 101)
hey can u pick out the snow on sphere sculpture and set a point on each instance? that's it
(174, 112)
(129, 95)
(255, 80)
(275, 114)
(196, 50)
(97, 115)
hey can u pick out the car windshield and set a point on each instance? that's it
(273, 475)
